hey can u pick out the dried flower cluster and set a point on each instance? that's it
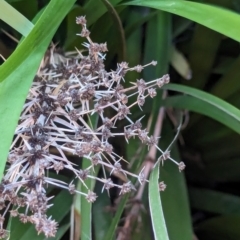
(55, 123)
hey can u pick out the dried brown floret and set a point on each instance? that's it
(55, 124)
(91, 196)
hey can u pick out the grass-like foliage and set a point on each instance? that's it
(94, 138)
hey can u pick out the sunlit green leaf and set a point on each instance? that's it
(158, 221)
(18, 22)
(215, 18)
(205, 103)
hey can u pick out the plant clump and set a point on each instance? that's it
(67, 92)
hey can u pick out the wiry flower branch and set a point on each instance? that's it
(54, 124)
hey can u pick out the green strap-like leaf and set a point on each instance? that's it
(115, 221)
(218, 19)
(81, 205)
(14, 18)
(158, 221)
(206, 104)
(221, 227)
(214, 201)
(176, 212)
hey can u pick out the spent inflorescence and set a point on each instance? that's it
(55, 123)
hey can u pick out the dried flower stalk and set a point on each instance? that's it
(65, 92)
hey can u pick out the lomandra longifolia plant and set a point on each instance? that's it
(55, 123)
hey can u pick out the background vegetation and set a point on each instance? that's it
(197, 43)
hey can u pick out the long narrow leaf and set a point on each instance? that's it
(14, 18)
(96, 7)
(158, 221)
(220, 228)
(102, 218)
(207, 104)
(85, 207)
(214, 201)
(113, 226)
(215, 18)
(177, 213)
